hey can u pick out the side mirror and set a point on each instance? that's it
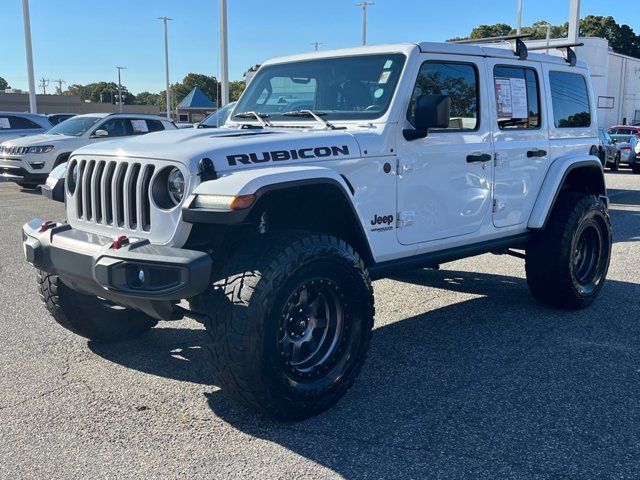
(430, 111)
(100, 133)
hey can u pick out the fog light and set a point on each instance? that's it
(36, 165)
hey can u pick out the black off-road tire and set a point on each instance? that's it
(246, 322)
(562, 269)
(88, 316)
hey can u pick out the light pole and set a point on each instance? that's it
(519, 31)
(224, 56)
(316, 45)
(166, 63)
(364, 6)
(574, 21)
(27, 41)
(120, 87)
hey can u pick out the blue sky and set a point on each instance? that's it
(82, 41)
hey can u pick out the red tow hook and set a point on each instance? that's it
(119, 242)
(46, 226)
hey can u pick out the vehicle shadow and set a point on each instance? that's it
(493, 385)
(625, 219)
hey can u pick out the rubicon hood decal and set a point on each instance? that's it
(283, 155)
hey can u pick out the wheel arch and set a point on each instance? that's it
(316, 199)
(574, 173)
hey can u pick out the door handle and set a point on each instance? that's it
(478, 158)
(536, 153)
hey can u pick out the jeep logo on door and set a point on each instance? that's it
(282, 155)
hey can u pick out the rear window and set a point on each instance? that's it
(570, 100)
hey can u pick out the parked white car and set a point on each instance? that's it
(28, 161)
(14, 125)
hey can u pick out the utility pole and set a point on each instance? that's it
(59, 82)
(44, 83)
(224, 55)
(548, 36)
(574, 21)
(120, 87)
(519, 30)
(364, 6)
(316, 45)
(27, 41)
(166, 63)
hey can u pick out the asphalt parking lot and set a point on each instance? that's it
(467, 377)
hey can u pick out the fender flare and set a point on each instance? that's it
(259, 182)
(554, 181)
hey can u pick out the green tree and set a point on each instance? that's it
(487, 31)
(235, 89)
(3, 84)
(621, 38)
(147, 98)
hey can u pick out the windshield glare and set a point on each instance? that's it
(345, 88)
(219, 117)
(74, 126)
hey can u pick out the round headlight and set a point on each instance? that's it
(72, 177)
(175, 185)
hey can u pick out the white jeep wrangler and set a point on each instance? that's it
(334, 169)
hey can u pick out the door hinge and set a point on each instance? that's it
(404, 168)
(405, 219)
(498, 205)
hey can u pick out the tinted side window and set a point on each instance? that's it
(570, 100)
(460, 82)
(517, 97)
(19, 123)
(117, 127)
(155, 125)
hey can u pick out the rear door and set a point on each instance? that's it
(520, 138)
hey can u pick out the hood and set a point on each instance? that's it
(42, 139)
(233, 149)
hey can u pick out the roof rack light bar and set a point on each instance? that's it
(519, 47)
(569, 53)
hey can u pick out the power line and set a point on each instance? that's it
(316, 45)
(59, 82)
(44, 83)
(364, 6)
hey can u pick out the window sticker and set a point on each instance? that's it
(384, 78)
(4, 122)
(139, 126)
(387, 64)
(378, 93)
(503, 97)
(519, 98)
(511, 97)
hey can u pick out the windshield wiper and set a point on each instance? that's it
(311, 114)
(258, 116)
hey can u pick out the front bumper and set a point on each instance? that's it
(10, 173)
(138, 275)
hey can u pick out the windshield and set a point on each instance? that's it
(219, 117)
(75, 126)
(345, 88)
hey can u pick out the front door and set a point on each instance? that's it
(520, 139)
(444, 179)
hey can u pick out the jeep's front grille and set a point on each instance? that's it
(113, 193)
